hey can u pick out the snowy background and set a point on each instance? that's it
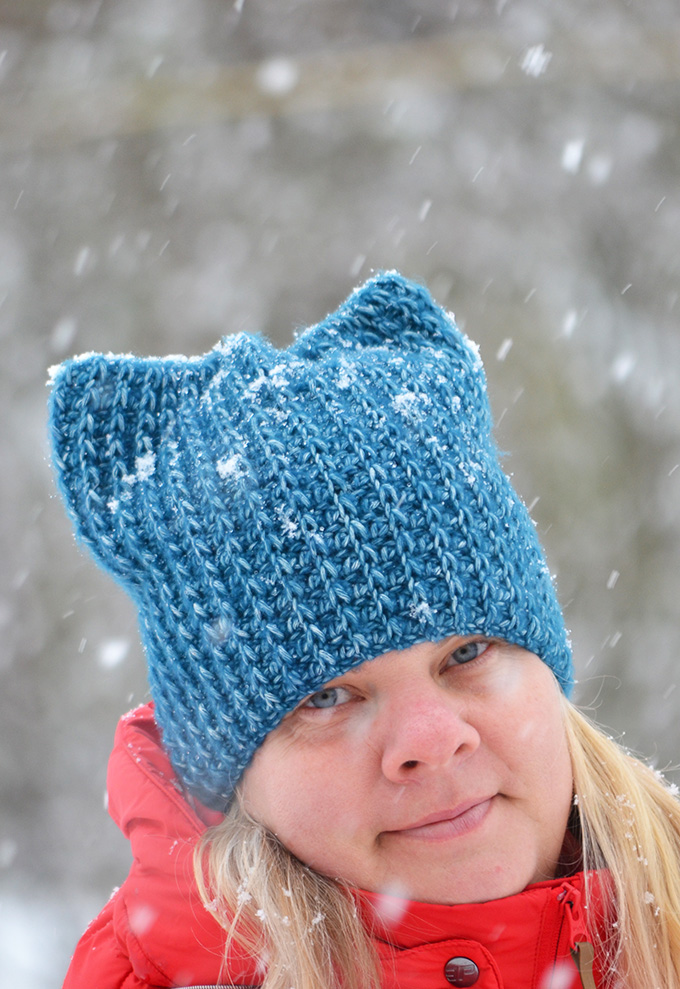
(173, 170)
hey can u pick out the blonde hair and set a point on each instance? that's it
(630, 826)
(302, 927)
(305, 929)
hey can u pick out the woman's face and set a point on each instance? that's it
(439, 773)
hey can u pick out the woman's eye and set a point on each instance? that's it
(330, 697)
(469, 651)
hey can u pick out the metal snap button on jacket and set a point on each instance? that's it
(461, 972)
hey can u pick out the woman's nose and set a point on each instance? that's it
(424, 730)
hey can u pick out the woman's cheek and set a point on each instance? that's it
(329, 801)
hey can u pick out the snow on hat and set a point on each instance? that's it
(280, 517)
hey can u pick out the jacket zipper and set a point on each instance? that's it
(584, 956)
(580, 949)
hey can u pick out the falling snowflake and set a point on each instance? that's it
(535, 61)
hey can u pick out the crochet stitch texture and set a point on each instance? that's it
(279, 517)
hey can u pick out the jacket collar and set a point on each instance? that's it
(407, 924)
(530, 939)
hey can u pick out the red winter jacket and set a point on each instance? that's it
(155, 932)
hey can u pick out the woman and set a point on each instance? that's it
(361, 767)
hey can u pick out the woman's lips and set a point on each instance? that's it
(447, 823)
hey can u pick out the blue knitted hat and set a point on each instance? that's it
(279, 517)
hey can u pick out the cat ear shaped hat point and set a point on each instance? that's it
(281, 516)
